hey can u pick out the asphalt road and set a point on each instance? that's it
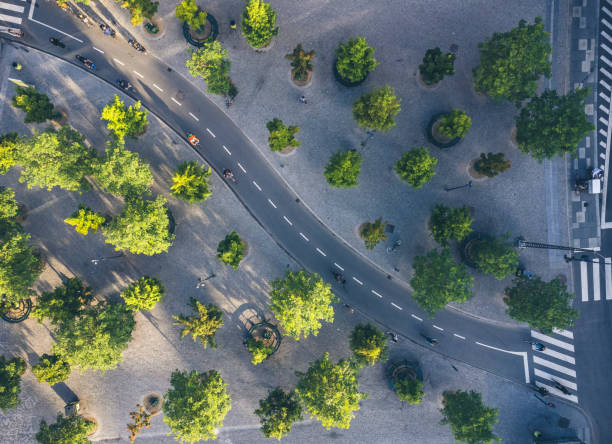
(275, 206)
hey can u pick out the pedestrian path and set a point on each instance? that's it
(556, 363)
(11, 12)
(595, 280)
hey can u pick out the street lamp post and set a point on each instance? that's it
(524, 244)
(100, 259)
(467, 185)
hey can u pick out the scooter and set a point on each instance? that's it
(57, 42)
(125, 85)
(87, 62)
(137, 46)
(107, 30)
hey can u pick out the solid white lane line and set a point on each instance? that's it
(357, 280)
(157, 87)
(287, 220)
(416, 317)
(211, 133)
(436, 327)
(176, 101)
(584, 281)
(10, 7)
(545, 375)
(596, 293)
(321, 252)
(560, 356)
(553, 341)
(397, 306)
(377, 294)
(271, 203)
(523, 354)
(31, 17)
(458, 336)
(194, 117)
(566, 333)
(608, 274)
(119, 61)
(228, 152)
(556, 367)
(138, 74)
(304, 236)
(256, 186)
(241, 167)
(338, 266)
(558, 392)
(99, 50)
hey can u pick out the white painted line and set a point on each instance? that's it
(604, 84)
(211, 133)
(157, 87)
(602, 120)
(304, 237)
(603, 133)
(553, 341)
(357, 280)
(606, 47)
(566, 333)
(99, 50)
(271, 203)
(523, 354)
(10, 18)
(338, 266)
(376, 293)
(458, 336)
(119, 61)
(228, 152)
(138, 74)
(437, 328)
(256, 186)
(558, 392)
(397, 306)
(584, 281)
(605, 110)
(416, 317)
(241, 167)
(176, 101)
(606, 10)
(31, 17)
(596, 293)
(321, 252)
(606, 98)
(608, 274)
(545, 375)
(561, 356)
(10, 7)
(556, 367)
(607, 23)
(606, 35)
(287, 220)
(605, 72)
(194, 117)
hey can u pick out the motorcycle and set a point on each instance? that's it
(57, 42)
(193, 140)
(339, 277)
(137, 46)
(125, 85)
(87, 62)
(107, 30)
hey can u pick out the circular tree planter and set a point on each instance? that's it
(301, 83)
(267, 334)
(153, 403)
(345, 82)
(467, 248)
(150, 25)
(18, 313)
(200, 37)
(433, 135)
(472, 170)
(422, 84)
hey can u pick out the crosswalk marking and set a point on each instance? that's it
(596, 293)
(565, 382)
(10, 18)
(557, 355)
(553, 341)
(10, 7)
(558, 392)
(566, 333)
(584, 281)
(556, 367)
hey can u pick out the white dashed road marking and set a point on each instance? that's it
(176, 101)
(305, 238)
(321, 252)
(256, 186)
(211, 133)
(338, 266)
(458, 336)
(271, 203)
(241, 167)
(99, 50)
(377, 294)
(119, 61)
(397, 306)
(226, 150)
(194, 117)
(287, 220)
(437, 328)
(416, 317)
(157, 87)
(138, 74)
(357, 280)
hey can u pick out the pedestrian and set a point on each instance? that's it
(302, 99)
(200, 283)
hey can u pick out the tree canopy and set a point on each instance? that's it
(203, 325)
(51, 369)
(20, 266)
(369, 344)
(195, 406)
(373, 233)
(190, 182)
(138, 9)
(230, 250)
(512, 62)
(355, 59)
(552, 125)
(409, 390)
(281, 136)
(122, 172)
(491, 164)
(259, 350)
(301, 62)
(377, 110)
(9, 210)
(258, 23)
(9, 142)
(143, 294)
(416, 167)
(343, 169)
(470, 420)
(300, 301)
(72, 429)
(448, 224)
(455, 124)
(64, 303)
(278, 412)
(543, 305)
(436, 65)
(125, 120)
(10, 382)
(211, 63)
(495, 256)
(438, 280)
(141, 228)
(36, 105)
(188, 12)
(330, 392)
(85, 219)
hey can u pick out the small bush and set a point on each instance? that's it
(446, 223)
(343, 169)
(190, 182)
(258, 23)
(373, 233)
(188, 12)
(416, 167)
(259, 350)
(143, 294)
(85, 219)
(281, 136)
(231, 250)
(491, 164)
(301, 62)
(455, 124)
(436, 65)
(355, 59)
(409, 390)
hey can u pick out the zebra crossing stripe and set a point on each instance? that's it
(606, 47)
(542, 374)
(606, 10)
(584, 281)
(10, 7)
(603, 133)
(557, 355)
(604, 121)
(553, 341)
(566, 333)
(605, 72)
(607, 23)
(10, 18)
(605, 59)
(604, 109)
(596, 292)
(606, 35)
(558, 392)
(604, 84)
(603, 145)
(556, 367)
(605, 97)
(608, 274)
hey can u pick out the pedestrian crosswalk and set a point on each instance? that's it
(556, 363)
(596, 280)
(11, 12)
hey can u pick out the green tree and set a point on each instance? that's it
(281, 136)
(355, 59)
(56, 158)
(436, 65)
(95, 340)
(438, 280)
(122, 172)
(72, 429)
(188, 12)
(259, 351)
(204, 324)
(512, 62)
(258, 23)
(51, 369)
(491, 164)
(141, 228)
(85, 219)
(8, 151)
(211, 63)
(330, 392)
(10, 382)
(143, 294)
(9, 210)
(543, 305)
(495, 256)
(377, 110)
(64, 303)
(299, 301)
(447, 224)
(139, 9)
(230, 250)
(416, 167)
(278, 412)
(36, 105)
(455, 124)
(301, 62)
(369, 344)
(125, 120)
(552, 125)
(20, 266)
(195, 406)
(190, 182)
(409, 390)
(373, 233)
(343, 169)
(470, 420)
